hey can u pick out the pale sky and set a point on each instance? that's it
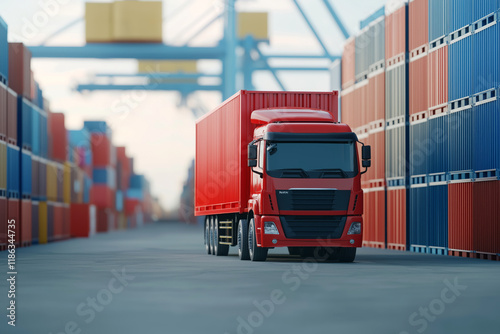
(157, 133)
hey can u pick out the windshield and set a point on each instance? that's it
(311, 159)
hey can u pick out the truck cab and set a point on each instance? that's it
(305, 186)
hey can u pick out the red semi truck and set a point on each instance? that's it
(276, 169)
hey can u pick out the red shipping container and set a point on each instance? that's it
(131, 205)
(58, 137)
(101, 150)
(122, 158)
(26, 223)
(374, 218)
(66, 221)
(438, 76)
(418, 80)
(396, 218)
(131, 221)
(3, 223)
(418, 23)
(486, 217)
(80, 220)
(20, 69)
(395, 32)
(13, 215)
(460, 217)
(102, 196)
(348, 66)
(376, 93)
(102, 220)
(11, 117)
(58, 221)
(3, 112)
(348, 109)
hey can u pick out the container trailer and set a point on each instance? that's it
(276, 169)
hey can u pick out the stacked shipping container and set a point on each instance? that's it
(442, 157)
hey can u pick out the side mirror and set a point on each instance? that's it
(253, 163)
(252, 152)
(366, 153)
(366, 163)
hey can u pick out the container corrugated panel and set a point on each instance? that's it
(42, 180)
(363, 54)
(26, 222)
(102, 220)
(35, 178)
(419, 212)
(3, 168)
(13, 212)
(119, 201)
(374, 218)
(378, 154)
(20, 69)
(102, 196)
(378, 31)
(26, 174)
(482, 8)
(60, 183)
(348, 63)
(395, 91)
(485, 54)
(87, 186)
(11, 117)
(419, 147)
(396, 218)
(58, 221)
(460, 65)
(42, 223)
(438, 143)
(460, 216)
(376, 93)
(486, 217)
(59, 140)
(3, 112)
(52, 182)
(4, 51)
(67, 184)
(438, 74)
(13, 171)
(35, 130)
(35, 228)
(395, 152)
(395, 33)
(66, 221)
(438, 215)
(51, 221)
(418, 23)
(24, 123)
(438, 10)
(101, 150)
(347, 104)
(44, 139)
(460, 139)
(3, 221)
(105, 176)
(458, 14)
(486, 131)
(418, 80)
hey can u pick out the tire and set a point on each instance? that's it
(256, 253)
(219, 250)
(212, 236)
(207, 235)
(243, 240)
(294, 251)
(347, 254)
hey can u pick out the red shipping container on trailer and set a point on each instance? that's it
(486, 217)
(3, 223)
(11, 117)
(418, 23)
(396, 218)
(348, 66)
(26, 223)
(13, 214)
(438, 76)
(3, 112)
(101, 150)
(460, 217)
(418, 80)
(58, 137)
(20, 69)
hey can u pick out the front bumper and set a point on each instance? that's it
(280, 240)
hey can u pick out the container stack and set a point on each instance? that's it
(442, 155)
(135, 199)
(122, 184)
(103, 174)
(4, 69)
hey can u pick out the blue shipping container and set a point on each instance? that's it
(458, 14)
(79, 138)
(135, 194)
(437, 18)
(486, 131)
(4, 52)
(437, 215)
(485, 55)
(420, 148)
(26, 176)
(438, 139)
(482, 8)
(460, 65)
(104, 176)
(44, 139)
(35, 130)
(97, 127)
(119, 201)
(419, 223)
(136, 181)
(86, 189)
(13, 171)
(460, 139)
(24, 123)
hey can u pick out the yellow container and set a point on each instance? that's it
(168, 66)
(137, 21)
(42, 222)
(98, 22)
(122, 221)
(51, 182)
(3, 165)
(67, 183)
(254, 24)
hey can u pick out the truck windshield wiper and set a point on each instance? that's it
(331, 170)
(293, 170)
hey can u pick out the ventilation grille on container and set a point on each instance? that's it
(313, 227)
(308, 200)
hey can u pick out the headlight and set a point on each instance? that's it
(270, 228)
(355, 228)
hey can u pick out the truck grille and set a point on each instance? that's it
(311, 199)
(313, 227)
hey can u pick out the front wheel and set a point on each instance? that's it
(243, 240)
(256, 253)
(347, 254)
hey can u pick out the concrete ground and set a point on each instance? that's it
(158, 279)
